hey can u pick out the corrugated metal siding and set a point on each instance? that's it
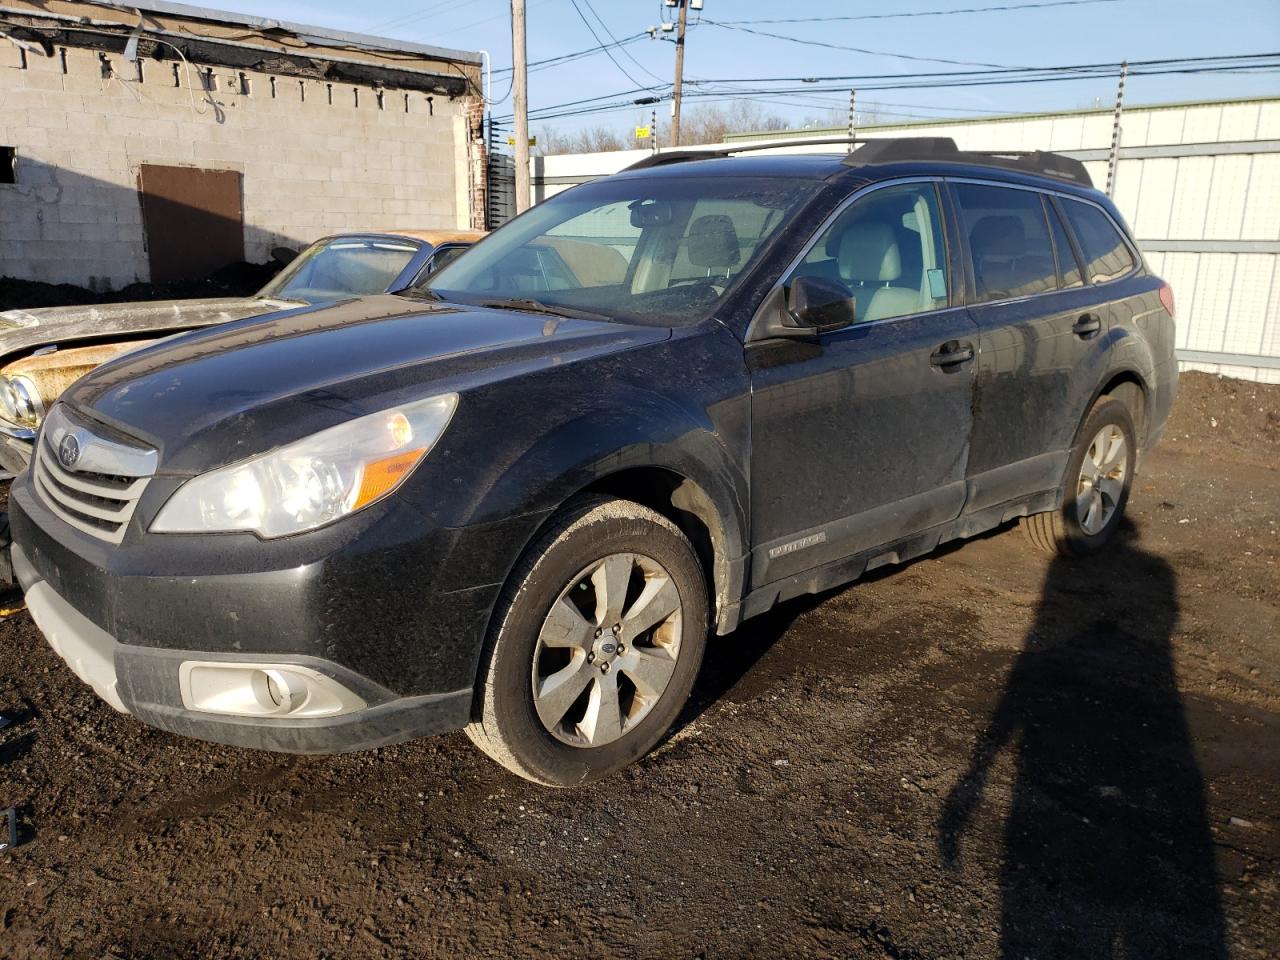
(1219, 209)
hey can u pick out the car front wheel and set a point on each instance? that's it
(595, 645)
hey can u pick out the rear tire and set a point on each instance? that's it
(1095, 487)
(564, 699)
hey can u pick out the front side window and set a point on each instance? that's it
(1105, 253)
(342, 267)
(888, 249)
(659, 249)
(1008, 241)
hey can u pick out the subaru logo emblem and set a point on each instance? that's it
(69, 451)
(607, 648)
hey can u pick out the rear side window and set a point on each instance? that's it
(1008, 241)
(1106, 254)
(1068, 265)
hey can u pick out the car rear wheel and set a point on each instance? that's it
(1096, 486)
(595, 645)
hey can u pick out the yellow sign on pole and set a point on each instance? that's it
(511, 141)
(643, 133)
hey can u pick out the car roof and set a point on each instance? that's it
(437, 237)
(833, 166)
(433, 237)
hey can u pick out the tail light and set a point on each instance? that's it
(1166, 298)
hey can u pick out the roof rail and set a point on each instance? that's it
(898, 150)
(718, 153)
(944, 149)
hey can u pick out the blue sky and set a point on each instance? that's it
(1089, 32)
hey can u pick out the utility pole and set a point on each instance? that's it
(653, 130)
(520, 96)
(853, 116)
(1113, 157)
(675, 94)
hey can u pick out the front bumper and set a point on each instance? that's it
(386, 603)
(144, 682)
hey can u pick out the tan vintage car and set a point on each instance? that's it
(43, 351)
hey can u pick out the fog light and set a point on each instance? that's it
(263, 690)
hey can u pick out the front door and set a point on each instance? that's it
(861, 436)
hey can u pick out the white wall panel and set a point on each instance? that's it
(1239, 121)
(1180, 271)
(1188, 202)
(1227, 197)
(1211, 303)
(1154, 195)
(1250, 291)
(1165, 126)
(1262, 205)
(1271, 326)
(1200, 124)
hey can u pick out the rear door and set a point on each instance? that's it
(1042, 334)
(860, 437)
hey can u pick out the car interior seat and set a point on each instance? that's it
(871, 263)
(1003, 265)
(713, 244)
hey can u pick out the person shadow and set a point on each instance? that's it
(1107, 850)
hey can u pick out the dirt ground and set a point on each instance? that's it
(980, 754)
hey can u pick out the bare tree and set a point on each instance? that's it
(708, 124)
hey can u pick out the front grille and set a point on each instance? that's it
(99, 504)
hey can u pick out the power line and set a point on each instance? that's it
(944, 79)
(840, 46)
(629, 56)
(603, 46)
(576, 54)
(1008, 7)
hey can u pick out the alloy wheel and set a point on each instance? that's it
(1102, 477)
(607, 650)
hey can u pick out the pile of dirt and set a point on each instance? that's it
(234, 280)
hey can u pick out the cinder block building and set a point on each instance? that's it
(158, 141)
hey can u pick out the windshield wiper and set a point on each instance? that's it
(537, 306)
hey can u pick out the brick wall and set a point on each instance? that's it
(315, 158)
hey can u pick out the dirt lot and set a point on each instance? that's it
(980, 754)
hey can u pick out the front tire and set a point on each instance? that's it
(1096, 486)
(594, 647)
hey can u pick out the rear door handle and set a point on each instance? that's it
(951, 353)
(1087, 326)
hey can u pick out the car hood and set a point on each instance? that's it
(24, 330)
(216, 396)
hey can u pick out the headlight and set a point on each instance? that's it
(20, 402)
(313, 481)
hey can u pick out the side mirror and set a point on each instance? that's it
(284, 255)
(818, 304)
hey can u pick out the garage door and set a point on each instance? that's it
(193, 218)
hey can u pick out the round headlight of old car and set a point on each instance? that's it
(20, 402)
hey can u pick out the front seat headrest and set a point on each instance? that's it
(998, 236)
(713, 242)
(869, 253)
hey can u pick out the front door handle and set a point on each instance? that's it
(951, 353)
(1088, 325)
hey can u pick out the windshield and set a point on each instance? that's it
(664, 250)
(342, 267)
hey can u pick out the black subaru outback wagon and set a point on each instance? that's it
(516, 500)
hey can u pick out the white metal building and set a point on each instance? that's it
(1198, 182)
